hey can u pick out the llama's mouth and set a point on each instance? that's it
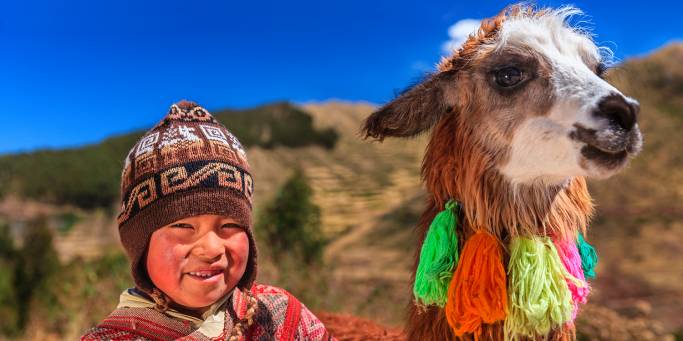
(606, 159)
(609, 146)
(607, 149)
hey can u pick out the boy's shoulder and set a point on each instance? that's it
(103, 333)
(259, 289)
(275, 300)
(140, 324)
(279, 308)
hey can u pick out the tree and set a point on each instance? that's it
(36, 261)
(9, 315)
(291, 222)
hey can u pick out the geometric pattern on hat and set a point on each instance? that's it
(185, 177)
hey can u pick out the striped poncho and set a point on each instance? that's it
(280, 316)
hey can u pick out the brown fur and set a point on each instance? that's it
(473, 126)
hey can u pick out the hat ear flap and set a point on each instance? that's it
(412, 112)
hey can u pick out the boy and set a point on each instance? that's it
(185, 223)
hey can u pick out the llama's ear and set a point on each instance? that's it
(412, 112)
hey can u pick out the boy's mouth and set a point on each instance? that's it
(205, 275)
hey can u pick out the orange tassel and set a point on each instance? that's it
(477, 293)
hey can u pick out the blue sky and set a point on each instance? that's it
(75, 72)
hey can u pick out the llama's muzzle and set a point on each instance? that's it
(617, 138)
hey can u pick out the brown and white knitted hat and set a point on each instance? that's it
(188, 164)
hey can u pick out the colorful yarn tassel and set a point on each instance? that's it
(539, 297)
(477, 294)
(569, 254)
(438, 258)
(589, 258)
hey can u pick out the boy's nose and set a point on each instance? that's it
(209, 247)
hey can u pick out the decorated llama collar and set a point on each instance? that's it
(542, 289)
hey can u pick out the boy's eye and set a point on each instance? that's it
(233, 225)
(181, 225)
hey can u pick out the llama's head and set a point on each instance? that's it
(527, 93)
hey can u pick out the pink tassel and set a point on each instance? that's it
(571, 259)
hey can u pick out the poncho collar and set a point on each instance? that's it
(213, 321)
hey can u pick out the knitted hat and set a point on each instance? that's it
(188, 164)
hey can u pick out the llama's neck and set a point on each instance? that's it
(453, 170)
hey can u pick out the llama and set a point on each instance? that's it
(520, 115)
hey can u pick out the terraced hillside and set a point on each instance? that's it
(358, 185)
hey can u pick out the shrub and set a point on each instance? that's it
(291, 222)
(35, 261)
(9, 314)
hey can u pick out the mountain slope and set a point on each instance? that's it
(88, 177)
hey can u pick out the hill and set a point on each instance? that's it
(88, 177)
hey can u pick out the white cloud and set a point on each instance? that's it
(458, 33)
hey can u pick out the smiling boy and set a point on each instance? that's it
(185, 223)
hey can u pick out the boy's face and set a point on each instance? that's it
(197, 260)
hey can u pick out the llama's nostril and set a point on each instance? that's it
(618, 111)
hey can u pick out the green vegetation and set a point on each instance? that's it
(23, 271)
(67, 222)
(9, 315)
(80, 294)
(37, 291)
(35, 261)
(291, 244)
(89, 176)
(278, 124)
(290, 224)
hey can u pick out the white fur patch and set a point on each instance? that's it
(541, 151)
(541, 148)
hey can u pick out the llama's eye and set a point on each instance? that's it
(509, 76)
(600, 69)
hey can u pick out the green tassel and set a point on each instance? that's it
(438, 258)
(589, 258)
